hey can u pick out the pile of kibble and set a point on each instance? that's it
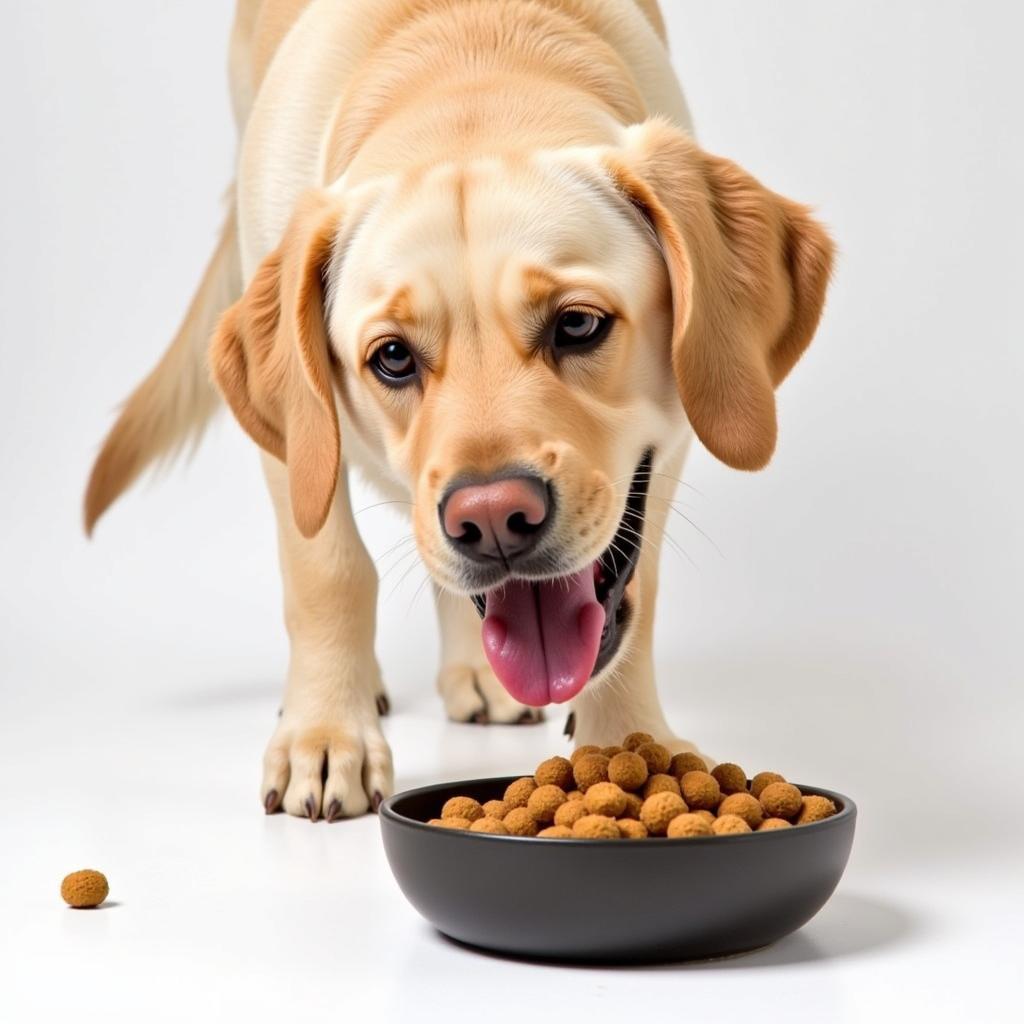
(634, 791)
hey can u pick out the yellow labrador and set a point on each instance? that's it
(476, 252)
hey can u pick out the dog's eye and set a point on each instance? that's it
(580, 329)
(393, 363)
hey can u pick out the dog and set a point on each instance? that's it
(475, 251)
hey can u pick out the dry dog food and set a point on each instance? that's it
(635, 790)
(84, 889)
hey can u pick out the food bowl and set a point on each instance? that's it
(611, 901)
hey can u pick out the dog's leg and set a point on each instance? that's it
(327, 755)
(468, 687)
(628, 700)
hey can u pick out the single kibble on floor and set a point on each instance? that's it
(729, 825)
(455, 823)
(731, 778)
(589, 770)
(636, 739)
(574, 794)
(745, 806)
(770, 824)
(657, 757)
(658, 810)
(555, 832)
(570, 812)
(630, 829)
(688, 826)
(605, 798)
(492, 826)
(462, 807)
(762, 779)
(663, 783)
(518, 793)
(555, 771)
(700, 791)
(84, 889)
(815, 808)
(627, 770)
(781, 800)
(596, 826)
(520, 822)
(634, 801)
(496, 809)
(683, 763)
(543, 803)
(587, 748)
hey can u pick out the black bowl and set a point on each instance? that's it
(592, 900)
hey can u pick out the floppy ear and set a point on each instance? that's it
(270, 360)
(748, 270)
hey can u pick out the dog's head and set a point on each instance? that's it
(515, 340)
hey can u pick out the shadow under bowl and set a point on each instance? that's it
(611, 901)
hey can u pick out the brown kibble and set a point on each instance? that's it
(705, 814)
(700, 790)
(627, 770)
(781, 800)
(496, 809)
(657, 757)
(570, 812)
(555, 832)
(631, 829)
(520, 822)
(489, 825)
(658, 810)
(683, 763)
(462, 807)
(762, 779)
(84, 890)
(587, 748)
(456, 823)
(770, 824)
(574, 794)
(605, 798)
(589, 770)
(688, 826)
(636, 739)
(731, 778)
(555, 771)
(543, 803)
(744, 806)
(596, 826)
(518, 793)
(661, 784)
(815, 808)
(610, 752)
(633, 804)
(729, 825)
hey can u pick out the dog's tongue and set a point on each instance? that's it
(542, 638)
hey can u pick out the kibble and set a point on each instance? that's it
(84, 890)
(634, 790)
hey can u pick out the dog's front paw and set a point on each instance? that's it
(326, 767)
(472, 693)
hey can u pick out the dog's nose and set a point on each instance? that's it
(499, 519)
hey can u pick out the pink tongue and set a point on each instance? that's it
(542, 638)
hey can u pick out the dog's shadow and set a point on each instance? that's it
(851, 925)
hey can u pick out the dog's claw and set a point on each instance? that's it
(311, 811)
(479, 718)
(383, 704)
(270, 802)
(570, 725)
(376, 800)
(333, 811)
(530, 717)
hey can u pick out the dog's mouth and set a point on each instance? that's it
(545, 639)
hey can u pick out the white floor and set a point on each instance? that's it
(857, 625)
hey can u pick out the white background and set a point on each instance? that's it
(860, 628)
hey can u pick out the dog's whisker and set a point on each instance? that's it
(398, 561)
(401, 580)
(416, 592)
(380, 504)
(394, 547)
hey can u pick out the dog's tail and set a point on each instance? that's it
(173, 405)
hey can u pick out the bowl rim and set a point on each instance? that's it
(387, 811)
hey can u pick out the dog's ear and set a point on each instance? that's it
(270, 360)
(748, 270)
